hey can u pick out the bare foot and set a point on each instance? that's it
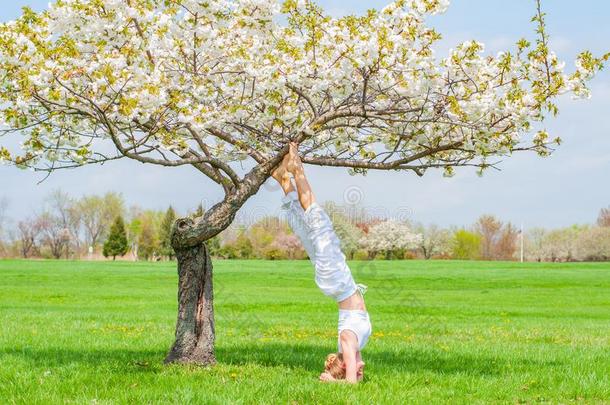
(294, 164)
(280, 173)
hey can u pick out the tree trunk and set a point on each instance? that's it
(195, 326)
(195, 332)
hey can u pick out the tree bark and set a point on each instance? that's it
(195, 332)
(195, 326)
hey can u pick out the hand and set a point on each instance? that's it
(360, 372)
(326, 377)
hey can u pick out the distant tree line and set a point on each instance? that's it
(93, 227)
(87, 227)
(370, 238)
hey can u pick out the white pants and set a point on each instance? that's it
(315, 230)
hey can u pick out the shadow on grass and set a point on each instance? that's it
(140, 360)
(308, 358)
(408, 360)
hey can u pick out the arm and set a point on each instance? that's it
(306, 196)
(295, 166)
(360, 366)
(349, 347)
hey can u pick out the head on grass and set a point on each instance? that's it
(334, 367)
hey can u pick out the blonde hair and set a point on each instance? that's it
(335, 366)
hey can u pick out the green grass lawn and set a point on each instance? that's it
(444, 332)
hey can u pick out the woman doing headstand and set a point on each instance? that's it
(332, 275)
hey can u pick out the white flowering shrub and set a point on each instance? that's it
(433, 240)
(390, 235)
(593, 244)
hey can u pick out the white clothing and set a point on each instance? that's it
(356, 321)
(315, 230)
(333, 276)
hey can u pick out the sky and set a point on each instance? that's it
(567, 188)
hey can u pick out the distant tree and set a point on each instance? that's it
(289, 244)
(466, 245)
(274, 253)
(263, 233)
(116, 244)
(489, 228)
(347, 231)
(75, 227)
(91, 208)
(434, 240)
(240, 241)
(65, 210)
(142, 219)
(604, 217)
(243, 247)
(54, 233)
(28, 232)
(227, 252)
(389, 236)
(148, 244)
(560, 244)
(535, 244)
(98, 213)
(165, 233)
(506, 245)
(133, 235)
(214, 246)
(593, 244)
(365, 224)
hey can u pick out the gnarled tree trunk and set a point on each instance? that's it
(195, 326)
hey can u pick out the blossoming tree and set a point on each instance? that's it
(210, 84)
(388, 236)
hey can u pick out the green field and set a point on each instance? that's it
(444, 332)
